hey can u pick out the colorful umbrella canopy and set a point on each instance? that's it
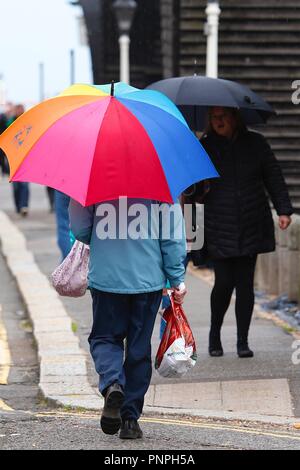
(97, 143)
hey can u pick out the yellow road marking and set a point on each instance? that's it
(4, 406)
(177, 422)
(219, 427)
(5, 358)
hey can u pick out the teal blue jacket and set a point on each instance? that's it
(135, 264)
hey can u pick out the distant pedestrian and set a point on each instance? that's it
(238, 220)
(51, 198)
(61, 204)
(126, 278)
(5, 120)
(21, 190)
(3, 160)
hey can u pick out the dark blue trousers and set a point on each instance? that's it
(21, 195)
(116, 317)
(63, 223)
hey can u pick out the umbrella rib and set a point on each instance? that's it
(179, 89)
(96, 141)
(150, 140)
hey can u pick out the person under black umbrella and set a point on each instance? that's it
(195, 94)
(238, 218)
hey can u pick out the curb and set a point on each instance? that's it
(222, 415)
(63, 372)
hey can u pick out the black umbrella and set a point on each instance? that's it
(195, 94)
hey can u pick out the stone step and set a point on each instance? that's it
(282, 133)
(187, 67)
(286, 154)
(286, 146)
(262, 85)
(271, 4)
(244, 60)
(268, 39)
(283, 74)
(242, 4)
(197, 25)
(242, 15)
(284, 96)
(292, 110)
(292, 182)
(289, 173)
(288, 159)
(275, 53)
(279, 123)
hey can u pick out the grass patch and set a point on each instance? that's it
(288, 329)
(26, 325)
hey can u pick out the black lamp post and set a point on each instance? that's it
(124, 11)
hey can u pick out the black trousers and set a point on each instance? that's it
(233, 273)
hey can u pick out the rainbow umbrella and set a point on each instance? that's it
(98, 143)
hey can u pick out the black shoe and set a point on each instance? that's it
(111, 419)
(215, 346)
(243, 350)
(216, 352)
(130, 429)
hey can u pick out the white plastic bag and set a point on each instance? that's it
(176, 354)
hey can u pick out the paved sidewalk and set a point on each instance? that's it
(265, 387)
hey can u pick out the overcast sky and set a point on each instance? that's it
(35, 31)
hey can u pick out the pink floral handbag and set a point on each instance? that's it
(70, 277)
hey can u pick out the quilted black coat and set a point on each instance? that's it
(238, 219)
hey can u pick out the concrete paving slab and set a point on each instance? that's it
(60, 351)
(52, 339)
(266, 397)
(57, 389)
(71, 380)
(79, 401)
(195, 396)
(52, 325)
(61, 366)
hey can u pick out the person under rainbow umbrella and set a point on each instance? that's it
(97, 143)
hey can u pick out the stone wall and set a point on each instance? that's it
(279, 272)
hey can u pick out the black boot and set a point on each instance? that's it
(111, 418)
(215, 346)
(243, 349)
(130, 429)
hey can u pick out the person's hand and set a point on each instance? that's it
(179, 293)
(284, 221)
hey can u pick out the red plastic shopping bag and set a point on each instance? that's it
(177, 350)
